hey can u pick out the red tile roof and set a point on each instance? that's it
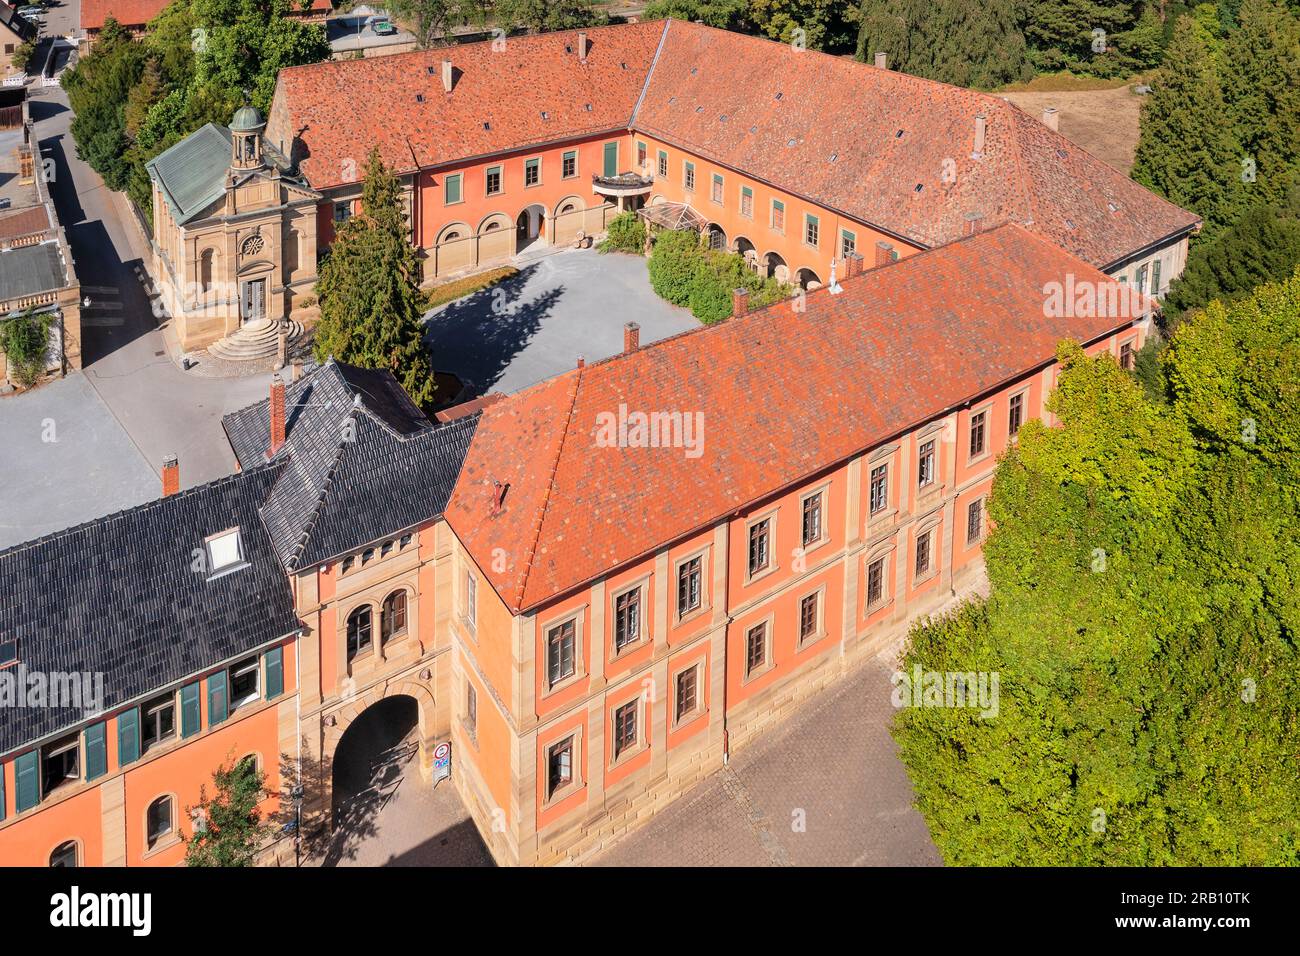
(784, 395)
(840, 133)
(140, 12)
(25, 222)
(532, 90)
(861, 140)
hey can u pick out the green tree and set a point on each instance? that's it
(369, 290)
(540, 16)
(229, 828)
(25, 342)
(1089, 36)
(1185, 151)
(724, 14)
(947, 40)
(433, 20)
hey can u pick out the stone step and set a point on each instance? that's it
(258, 342)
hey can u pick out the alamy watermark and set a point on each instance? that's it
(77, 690)
(661, 429)
(922, 688)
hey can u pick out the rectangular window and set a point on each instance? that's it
(642, 154)
(471, 599)
(759, 552)
(812, 519)
(342, 211)
(274, 672)
(494, 180)
(778, 215)
(923, 553)
(663, 164)
(879, 489)
(688, 695)
(561, 642)
(808, 617)
(157, 721)
(848, 243)
(974, 520)
(245, 679)
(747, 202)
(1016, 413)
(60, 764)
(716, 195)
(625, 728)
(190, 709)
(811, 230)
(1142, 279)
(977, 430)
(689, 596)
(218, 709)
(532, 172)
(875, 582)
(611, 159)
(627, 619)
(471, 709)
(451, 189)
(1155, 277)
(755, 648)
(1126, 356)
(96, 751)
(925, 465)
(689, 178)
(569, 164)
(559, 766)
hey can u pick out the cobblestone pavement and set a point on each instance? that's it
(825, 789)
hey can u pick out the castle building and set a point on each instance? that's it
(593, 590)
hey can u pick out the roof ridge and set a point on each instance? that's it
(550, 487)
(1018, 157)
(135, 509)
(654, 61)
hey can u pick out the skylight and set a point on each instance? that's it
(225, 552)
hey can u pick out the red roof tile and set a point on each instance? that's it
(784, 395)
(527, 91)
(25, 222)
(861, 140)
(140, 12)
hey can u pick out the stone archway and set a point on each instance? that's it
(774, 267)
(805, 278)
(716, 237)
(370, 756)
(530, 228)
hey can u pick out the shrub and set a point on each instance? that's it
(25, 341)
(626, 234)
(672, 265)
(686, 273)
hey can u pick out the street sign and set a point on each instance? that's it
(441, 762)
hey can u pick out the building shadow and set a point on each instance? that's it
(458, 845)
(479, 336)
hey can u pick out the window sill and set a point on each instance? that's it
(691, 615)
(924, 578)
(756, 673)
(760, 574)
(627, 650)
(979, 459)
(164, 843)
(551, 690)
(810, 640)
(630, 754)
(685, 720)
(876, 608)
(812, 546)
(562, 793)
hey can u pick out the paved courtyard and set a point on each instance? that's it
(825, 789)
(536, 324)
(66, 460)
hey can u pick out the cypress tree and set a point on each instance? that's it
(948, 40)
(369, 288)
(1186, 152)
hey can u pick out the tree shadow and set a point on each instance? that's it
(478, 337)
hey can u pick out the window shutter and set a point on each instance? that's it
(274, 672)
(218, 706)
(611, 159)
(27, 785)
(190, 717)
(96, 750)
(128, 736)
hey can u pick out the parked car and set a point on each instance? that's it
(383, 27)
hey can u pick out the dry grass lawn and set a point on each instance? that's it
(1102, 121)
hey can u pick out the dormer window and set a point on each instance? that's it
(8, 650)
(225, 552)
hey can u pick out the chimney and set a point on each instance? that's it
(852, 265)
(277, 416)
(171, 476)
(973, 222)
(1052, 119)
(981, 122)
(739, 302)
(297, 369)
(582, 361)
(882, 60)
(448, 76)
(884, 253)
(583, 47)
(631, 337)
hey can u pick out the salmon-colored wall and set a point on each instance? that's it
(30, 842)
(554, 701)
(689, 727)
(552, 735)
(789, 244)
(489, 749)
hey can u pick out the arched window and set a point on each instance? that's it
(250, 763)
(358, 631)
(205, 270)
(491, 226)
(393, 621)
(65, 854)
(159, 821)
(567, 208)
(451, 236)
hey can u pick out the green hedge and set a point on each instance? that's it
(686, 273)
(626, 234)
(25, 339)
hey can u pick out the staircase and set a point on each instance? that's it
(257, 341)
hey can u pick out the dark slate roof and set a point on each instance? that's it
(118, 596)
(28, 270)
(362, 462)
(15, 21)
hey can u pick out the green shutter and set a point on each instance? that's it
(1155, 277)
(128, 736)
(452, 184)
(218, 706)
(27, 784)
(190, 717)
(274, 672)
(96, 750)
(611, 159)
